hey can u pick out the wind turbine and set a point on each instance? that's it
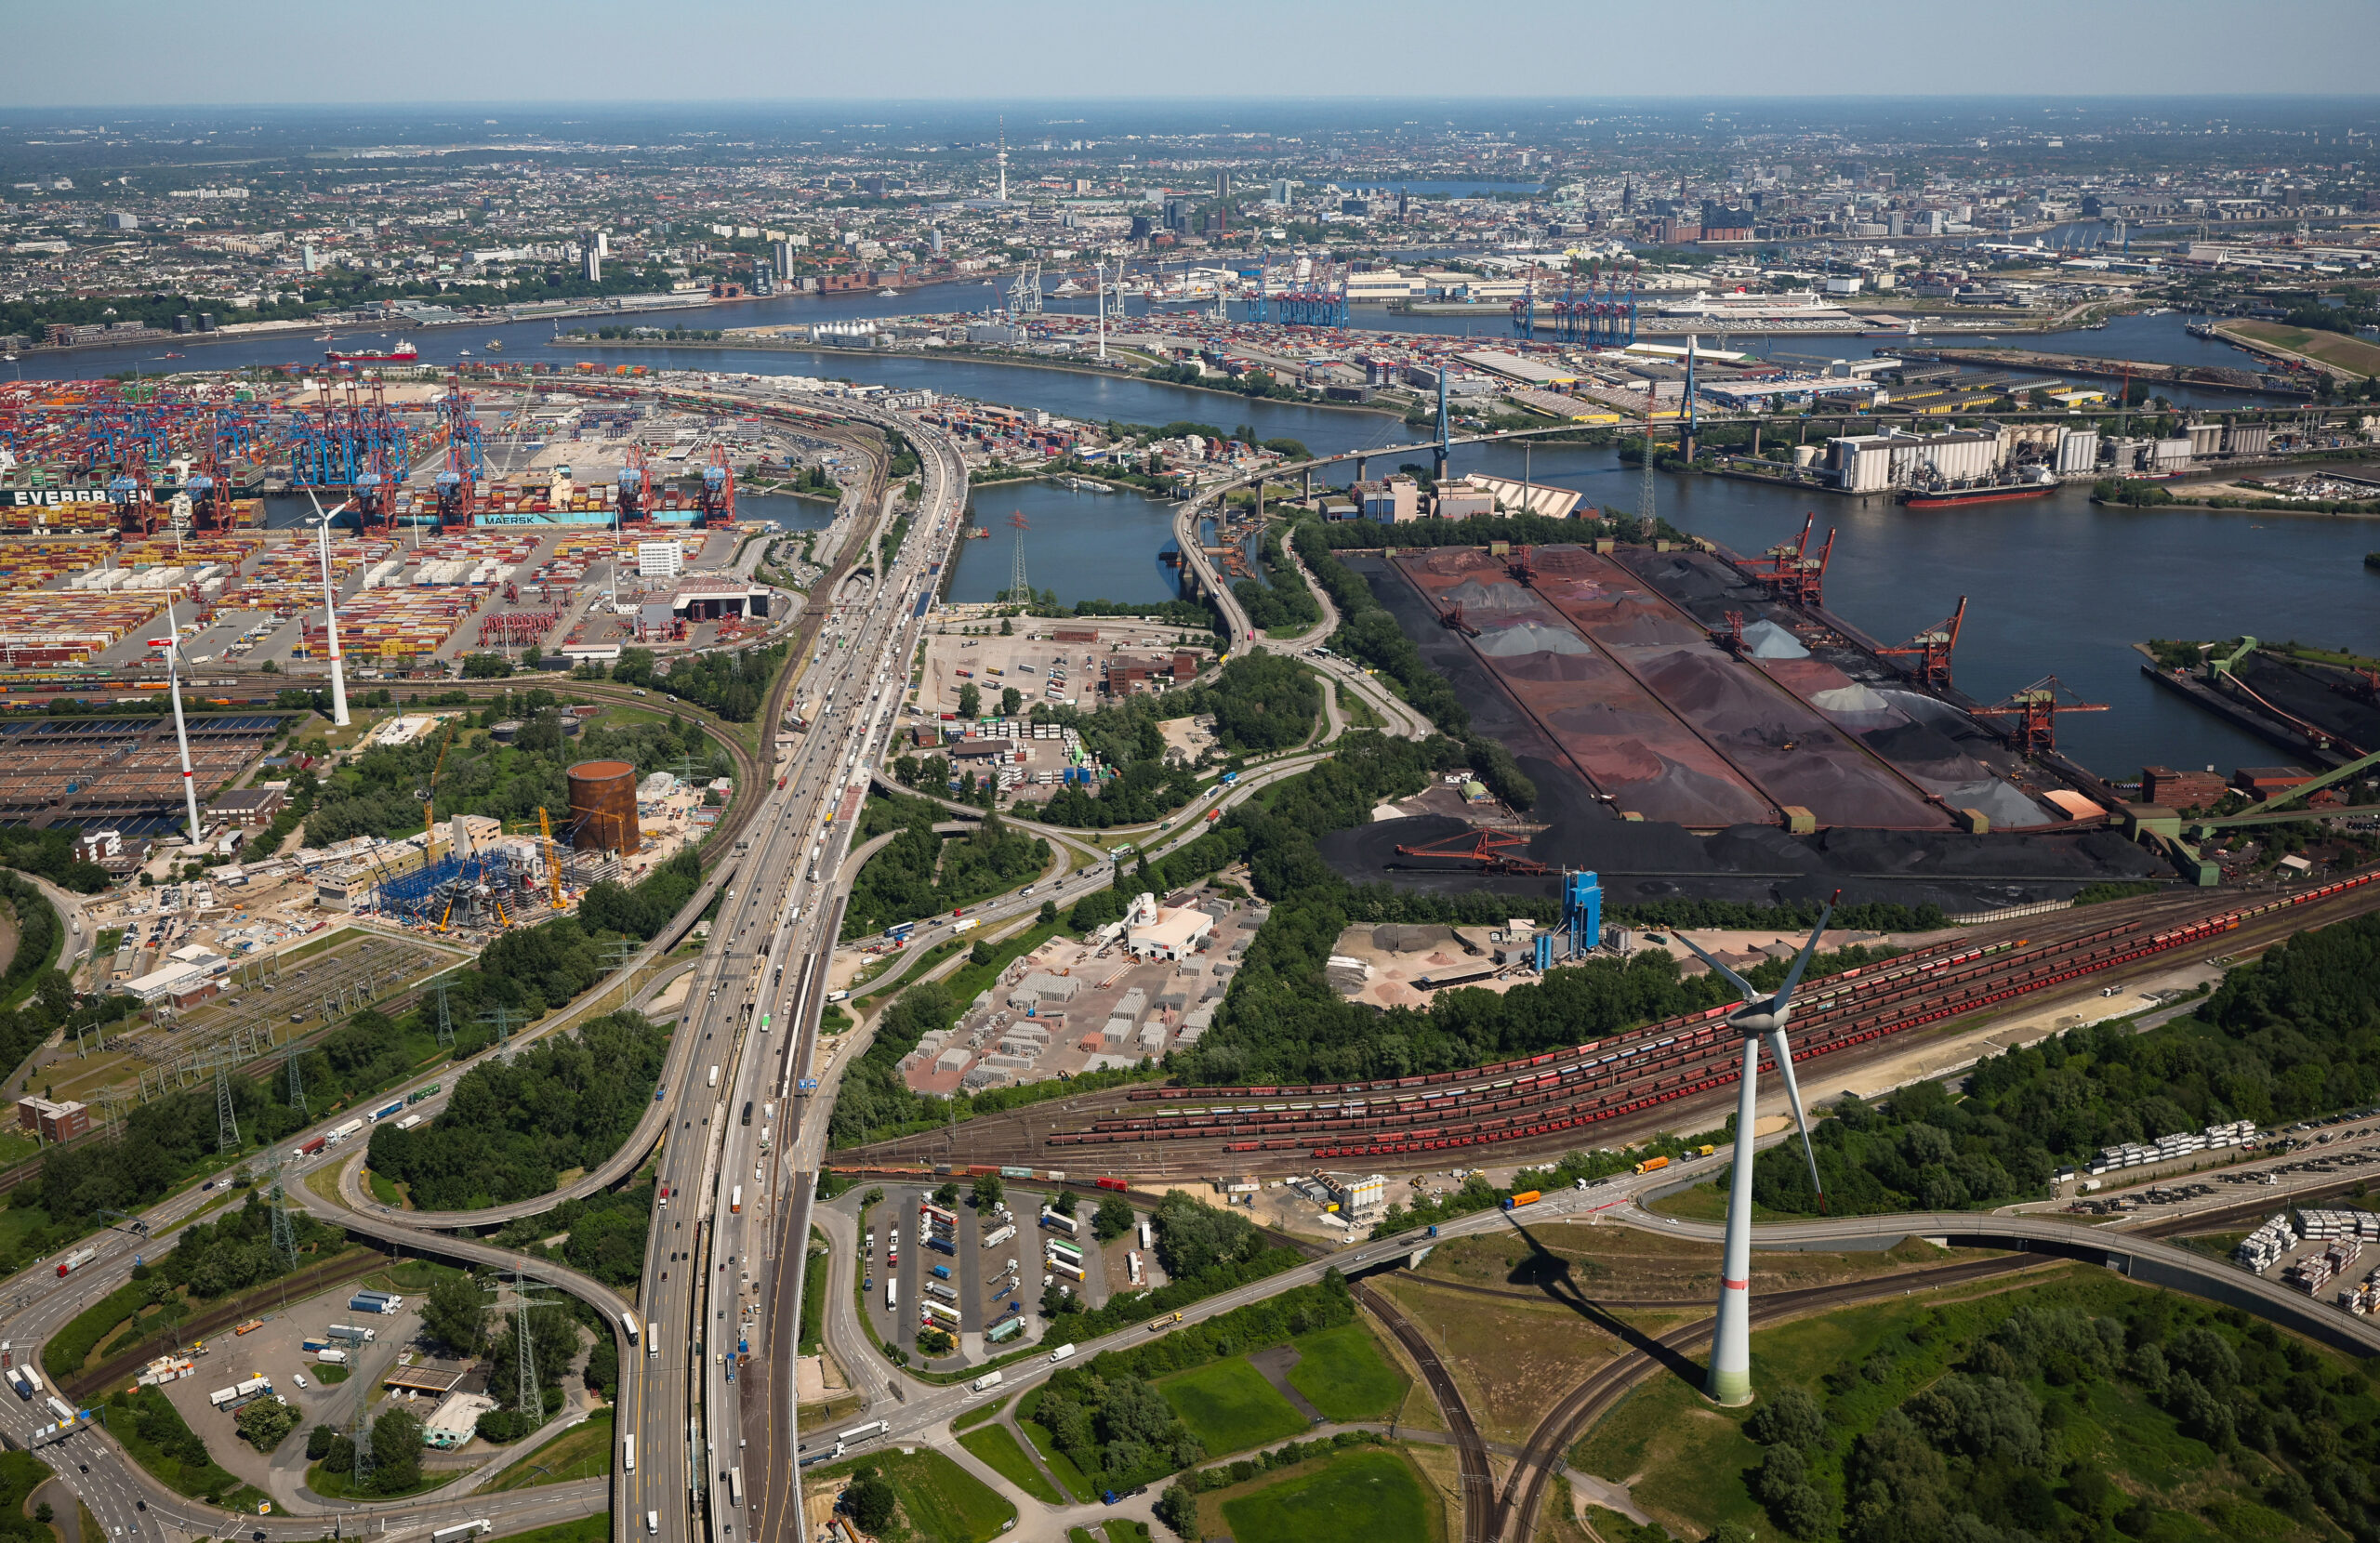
(322, 524)
(1760, 1017)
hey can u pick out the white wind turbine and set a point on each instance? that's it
(1760, 1019)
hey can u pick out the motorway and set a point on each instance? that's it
(714, 1432)
(743, 1005)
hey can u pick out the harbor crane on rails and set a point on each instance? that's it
(1932, 650)
(2036, 709)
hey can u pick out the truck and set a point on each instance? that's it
(1072, 1272)
(1145, 1244)
(22, 1384)
(351, 1334)
(967, 925)
(420, 1093)
(1525, 1197)
(985, 1383)
(861, 1432)
(891, 1295)
(941, 1272)
(63, 1410)
(736, 1198)
(341, 1132)
(1650, 1164)
(309, 1345)
(1057, 1223)
(941, 1244)
(461, 1530)
(409, 1122)
(386, 1110)
(310, 1148)
(714, 1077)
(941, 1293)
(1063, 1352)
(1007, 1328)
(75, 1261)
(331, 1357)
(999, 1235)
(627, 1452)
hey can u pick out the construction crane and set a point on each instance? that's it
(1932, 650)
(553, 855)
(2036, 709)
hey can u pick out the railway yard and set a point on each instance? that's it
(1671, 1075)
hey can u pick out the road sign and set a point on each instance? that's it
(806, 1085)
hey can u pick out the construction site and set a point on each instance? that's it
(1700, 725)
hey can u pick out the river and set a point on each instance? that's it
(2055, 585)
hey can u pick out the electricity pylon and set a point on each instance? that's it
(227, 1122)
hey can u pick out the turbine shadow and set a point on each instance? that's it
(1550, 1273)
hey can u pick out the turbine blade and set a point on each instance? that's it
(1783, 1055)
(1785, 992)
(1736, 980)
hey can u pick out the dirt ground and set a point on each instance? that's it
(1621, 1263)
(1512, 1359)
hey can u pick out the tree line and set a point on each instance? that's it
(2284, 1037)
(509, 1129)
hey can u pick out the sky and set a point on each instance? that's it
(154, 53)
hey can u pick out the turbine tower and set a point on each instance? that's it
(1760, 1019)
(181, 732)
(330, 612)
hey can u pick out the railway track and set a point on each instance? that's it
(1514, 1520)
(1471, 1452)
(1546, 1098)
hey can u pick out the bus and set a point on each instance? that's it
(627, 1322)
(627, 1452)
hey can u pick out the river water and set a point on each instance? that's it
(2055, 585)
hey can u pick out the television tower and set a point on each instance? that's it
(1003, 157)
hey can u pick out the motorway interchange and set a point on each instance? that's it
(707, 1393)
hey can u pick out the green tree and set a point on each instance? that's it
(989, 1191)
(456, 1313)
(1113, 1219)
(1011, 700)
(396, 1451)
(870, 1500)
(970, 701)
(486, 666)
(947, 1194)
(264, 1423)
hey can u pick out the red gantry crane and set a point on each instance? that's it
(1932, 650)
(1490, 849)
(2036, 709)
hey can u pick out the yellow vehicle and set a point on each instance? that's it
(1164, 1321)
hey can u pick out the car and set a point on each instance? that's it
(300, 1378)
(209, 1186)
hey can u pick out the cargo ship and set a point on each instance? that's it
(403, 353)
(1985, 493)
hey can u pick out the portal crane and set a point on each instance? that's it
(1932, 650)
(2036, 709)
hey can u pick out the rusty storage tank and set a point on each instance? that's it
(603, 807)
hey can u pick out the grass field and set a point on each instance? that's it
(1341, 1373)
(587, 1529)
(1358, 1496)
(1229, 1406)
(976, 1417)
(186, 1478)
(331, 1377)
(996, 1447)
(387, 1191)
(2331, 348)
(582, 1452)
(1070, 1477)
(1121, 1530)
(943, 1502)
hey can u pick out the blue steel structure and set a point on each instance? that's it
(430, 896)
(1582, 921)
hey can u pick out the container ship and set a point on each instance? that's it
(403, 353)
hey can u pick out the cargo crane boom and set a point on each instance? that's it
(2036, 709)
(1490, 849)
(1932, 649)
